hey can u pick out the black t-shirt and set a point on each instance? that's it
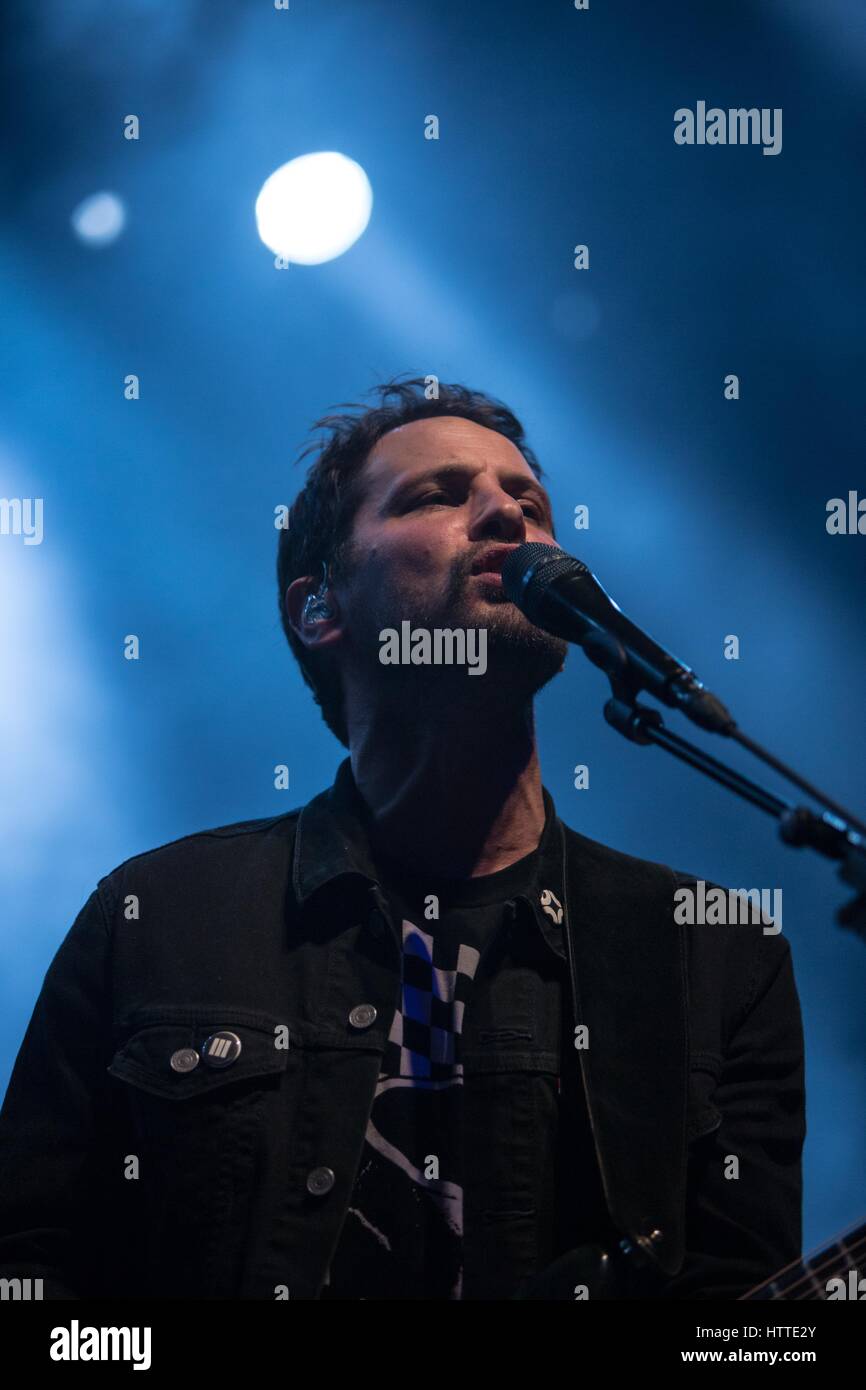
(403, 1233)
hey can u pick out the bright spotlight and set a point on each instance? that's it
(99, 219)
(313, 208)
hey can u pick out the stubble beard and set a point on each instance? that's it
(521, 658)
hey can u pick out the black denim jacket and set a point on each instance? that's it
(132, 1165)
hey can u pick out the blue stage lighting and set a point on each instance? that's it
(314, 208)
(99, 219)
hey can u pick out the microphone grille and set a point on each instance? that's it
(530, 569)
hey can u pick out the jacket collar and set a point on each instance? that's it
(331, 843)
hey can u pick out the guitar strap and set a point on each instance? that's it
(582, 1214)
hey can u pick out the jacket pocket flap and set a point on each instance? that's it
(167, 1059)
(509, 1059)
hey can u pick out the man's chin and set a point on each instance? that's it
(514, 644)
(494, 610)
(517, 652)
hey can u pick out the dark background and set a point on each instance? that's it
(707, 517)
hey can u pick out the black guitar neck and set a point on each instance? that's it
(838, 1271)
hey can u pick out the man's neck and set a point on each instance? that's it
(459, 798)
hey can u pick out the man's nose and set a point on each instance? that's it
(496, 513)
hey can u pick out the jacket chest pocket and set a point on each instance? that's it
(202, 1099)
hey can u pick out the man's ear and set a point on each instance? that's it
(313, 612)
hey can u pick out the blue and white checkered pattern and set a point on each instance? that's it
(437, 979)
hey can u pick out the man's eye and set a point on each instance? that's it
(536, 511)
(434, 498)
(429, 497)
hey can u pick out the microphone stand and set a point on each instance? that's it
(834, 833)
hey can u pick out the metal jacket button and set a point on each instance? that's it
(320, 1181)
(185, 1059)
(362, 1016)
(221, 1049)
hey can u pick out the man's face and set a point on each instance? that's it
(441, 497)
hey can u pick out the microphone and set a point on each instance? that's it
(558, 593)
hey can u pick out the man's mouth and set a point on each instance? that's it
(489, 563)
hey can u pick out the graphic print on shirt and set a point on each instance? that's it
(403, 1233)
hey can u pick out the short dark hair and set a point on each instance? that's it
(320, 520)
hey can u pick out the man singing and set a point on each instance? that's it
(418, 1038)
